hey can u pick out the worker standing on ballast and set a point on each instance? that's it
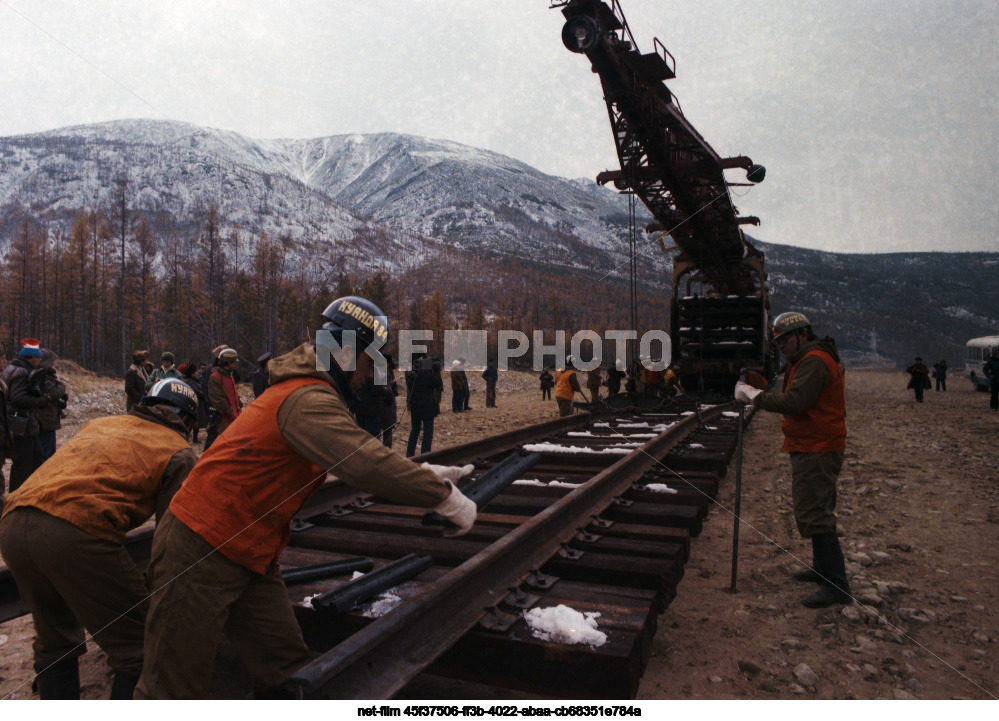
(813, 402)
(214, 562)
(566, 387)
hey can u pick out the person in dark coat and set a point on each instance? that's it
(919, 378)
(191, 379)
(135, 379)
(47, 383)
(547, 383)
(991, 370)
(368, 407)
(940, 374)
(261, 378)
(390, 414)
(22, 411)
(6, 439)
(614, 375)
(490, 375)
(423, 386)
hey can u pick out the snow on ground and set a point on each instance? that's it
(555, 448)
(562, 624)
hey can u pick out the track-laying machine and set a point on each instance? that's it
(720, 305)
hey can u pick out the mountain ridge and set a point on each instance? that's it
(393, 202)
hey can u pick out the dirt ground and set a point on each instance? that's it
(919, 519)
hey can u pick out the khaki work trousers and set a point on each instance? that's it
(197, 594)
(71, 581)
(813, 491)
(564, 406)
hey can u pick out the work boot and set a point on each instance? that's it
(60, 681)
(809, 575)
(834, 588)
(123, 686)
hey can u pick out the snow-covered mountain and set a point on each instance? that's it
(410, 193)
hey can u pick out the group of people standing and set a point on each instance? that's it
(215, 385)
(639, 380)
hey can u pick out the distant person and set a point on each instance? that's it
(458, 385)
(261, 378)
(991, 370)
(367, 407)
(919, 378)
(466, 389)
(566, 387)
(166, 370)
(547, 383)
(940, 374)
(62, 535)
(191, 379)
(6, 440)
(490, 375)
(423, 384)
(223, 394)
(135, 379)
(47, 383)
(813, 402)
(23, 404)
(390, 413)
(672, 386)
(594, 379)
(615, 374)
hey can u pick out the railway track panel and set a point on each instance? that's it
(601, 524)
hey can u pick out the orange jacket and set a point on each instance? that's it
(820, 428)
(106, 479)
(563, 384)
(246, 488)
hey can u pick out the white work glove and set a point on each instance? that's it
(451, 473)
(459, 509)
(745, 393)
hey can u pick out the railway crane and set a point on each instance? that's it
(719, 306)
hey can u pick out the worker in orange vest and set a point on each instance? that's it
(813, 402)
(566, 387)
(214, 564)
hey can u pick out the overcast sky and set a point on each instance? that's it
(876, 119)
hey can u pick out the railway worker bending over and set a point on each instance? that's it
(214, 562)
(813, 402)
(62, 535)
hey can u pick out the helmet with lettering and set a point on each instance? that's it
(175, 394)
(788, 322)
(360, 315)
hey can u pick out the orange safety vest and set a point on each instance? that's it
(822, 427)
(105, 479)
(246, 488)
(562, 387)
(229, 386)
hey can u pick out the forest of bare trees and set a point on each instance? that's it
(111, 285)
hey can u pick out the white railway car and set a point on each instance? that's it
(979, 350)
